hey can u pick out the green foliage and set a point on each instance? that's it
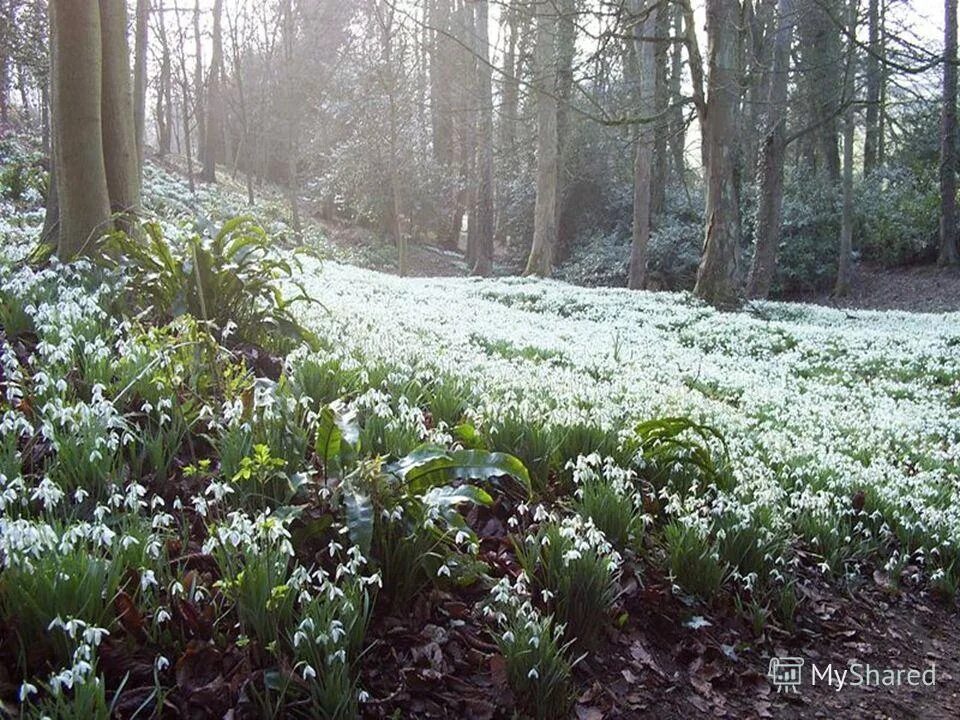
(530, 440)
(678, 455)
(612, 511)
(898, 211)
(537, 669)
(21, 178)
(261, 479)
(574, 564)
(263, 593)
(326, 647)
(406, 515)
(77, 584)
(693, 560)
(231, 280)
(807, 258)
(86, 700)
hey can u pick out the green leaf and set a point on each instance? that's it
(467, 434)
(328, 439)
(359, 516)
(451, 496)
(337, 433)
(429, 466)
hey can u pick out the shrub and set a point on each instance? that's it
(231, 280)
(807, 259)
(897, 216)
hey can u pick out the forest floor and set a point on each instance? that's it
(922, 288)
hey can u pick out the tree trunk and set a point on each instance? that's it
(164, 106)
(5, 61)
(484, 214)
(845, 260)
(81, 176)
(648, 62)
(441, 54)
(565, 52)
(871, 141)
(214, 125)
(948, 141)
(120, 155)
(677, 124)
(661, 104)
(185, 101)
(772, 156)
(717, 276)
(199, 91)
(540, 261)
(140, 75)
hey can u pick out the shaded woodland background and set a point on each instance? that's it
(746, 148)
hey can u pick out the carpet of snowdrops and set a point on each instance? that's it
(816, 404)
(842, 429)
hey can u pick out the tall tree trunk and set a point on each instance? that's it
(510, 90)
(290, 101)
(565, 52)
(164, 105)
(441, 55)
(661, 104)
(646, 50)
(120, 154)
(717, 276)
(540, 261)
(871, 141)
(484, 214)
(948, 141)
(6, 12)
(772, 156)
(677, 125)
(185, 101)
(213, 142)
(140, 74)
(845, 260)
(77, 77)
(199, 91)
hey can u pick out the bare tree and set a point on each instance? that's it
(142, 33)
(484, 208)
(540, 261)
(645, 27)
(718, 274)
(772, 156)
(842, 286)
(948, 141)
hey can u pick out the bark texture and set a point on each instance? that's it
(771, 161)
(717, 276)
(948, 141)
(648, 62)
(120, 155)
(81, 175)
(540, 261)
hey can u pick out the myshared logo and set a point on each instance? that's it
(787, 675)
